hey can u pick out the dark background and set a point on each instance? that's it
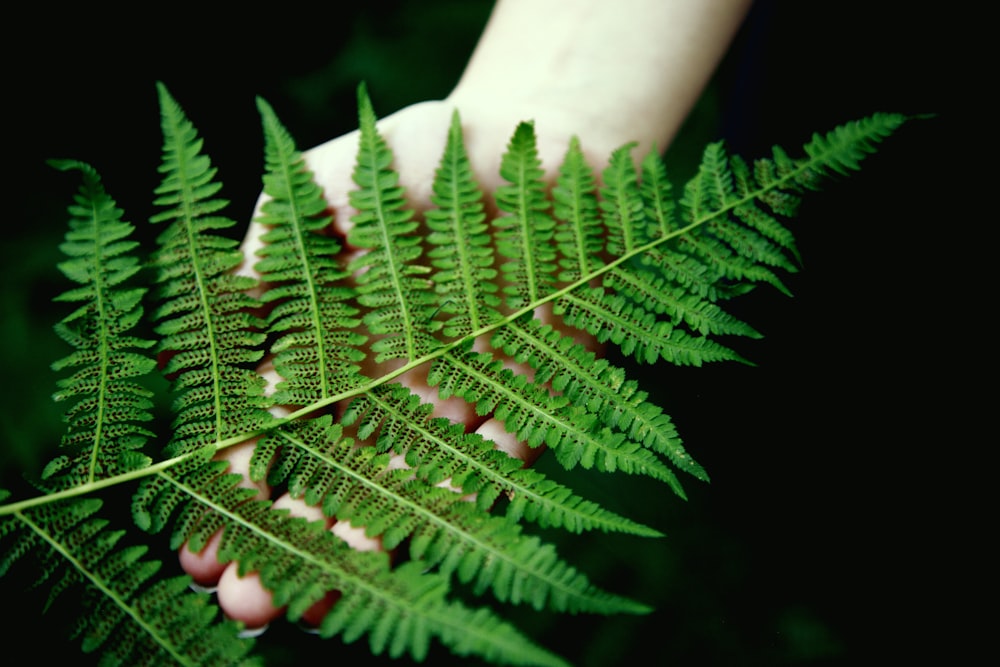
(829, 532)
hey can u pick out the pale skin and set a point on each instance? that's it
(608, 73)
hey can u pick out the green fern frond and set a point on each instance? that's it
(210, 335)
(636, 331)
(662, 297)
(395, 288)
(317, 348)
(734, 252)
(461, 245)
(104, 434)
(133, 619)
(657, 196)
(524, 235)
(842, 149)
(626, 262)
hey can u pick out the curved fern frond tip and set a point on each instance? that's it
(842, 149)
(108, 402)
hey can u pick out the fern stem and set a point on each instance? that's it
(117, 480)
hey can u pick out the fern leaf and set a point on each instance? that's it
(636, 331)
(317, 346)
(133, 619)
(108, 404)
(659, 296)
(524, 236)
(461, 245)
(210, 335)
(842, 149)
(396, 289)
(738, 213)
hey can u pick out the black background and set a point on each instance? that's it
(829, 531)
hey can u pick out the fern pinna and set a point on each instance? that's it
(630, 263)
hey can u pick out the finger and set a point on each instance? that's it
(203, 566)
(245, 599)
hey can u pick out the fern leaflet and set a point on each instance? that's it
(393, 286)
(317, 352)
(524, 236)
(104, 432)
(205, 313)
(575, 204)
(461, 245)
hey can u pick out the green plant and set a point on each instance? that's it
(634, 265)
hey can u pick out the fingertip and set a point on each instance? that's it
(203, 566)
(245, 599)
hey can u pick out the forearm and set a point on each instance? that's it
(613, 71)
